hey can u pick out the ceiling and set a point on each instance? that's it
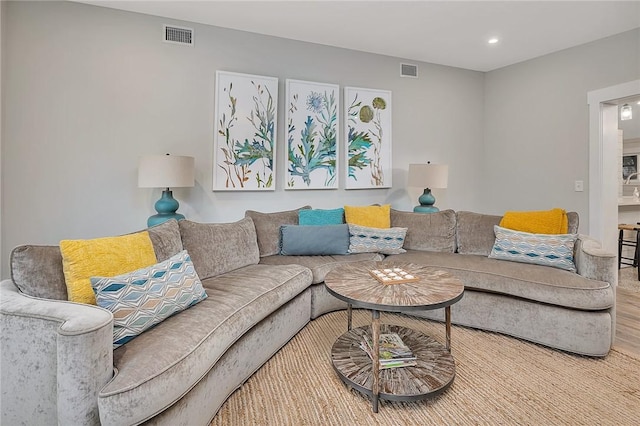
(452, 33)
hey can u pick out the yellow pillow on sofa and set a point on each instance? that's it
(102, 257)
(552, 221)
(369, 216)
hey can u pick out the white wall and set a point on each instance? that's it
(2, 264)
(88, 90)
(537, 124)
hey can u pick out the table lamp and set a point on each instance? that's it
(165, 171)
(432, 176)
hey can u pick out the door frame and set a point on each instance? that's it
(603, 161)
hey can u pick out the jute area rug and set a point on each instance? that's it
(499, 381)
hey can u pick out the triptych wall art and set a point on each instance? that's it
(245, 129)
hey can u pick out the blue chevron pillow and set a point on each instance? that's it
(144, 298)
(363, 239)
(554, 250)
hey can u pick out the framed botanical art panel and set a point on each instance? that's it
(246, 117)
(368, 138)
(312, 135)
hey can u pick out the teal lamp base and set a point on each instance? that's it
(427, 201)
(166, 207)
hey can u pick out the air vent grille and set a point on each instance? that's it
(408, 70)
(173, 34)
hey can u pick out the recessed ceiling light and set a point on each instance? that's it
(493, 40)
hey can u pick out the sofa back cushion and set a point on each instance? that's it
(166, 240)
(427, 231)
(267, 226)
(475, 233)
(217, 248)
(37, 270)
(574, 222)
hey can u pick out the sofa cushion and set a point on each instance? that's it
(363, 239)
(166, 239)
(321, 217)
(555, 250)
(151, 363)
(320, 266)
(474, 233)
(371, 216)
(143, 298)
(217, 248)
(37, 270)
(427, 231)
(108, 256)
(268, 228)
(532, 282)
(296, 240)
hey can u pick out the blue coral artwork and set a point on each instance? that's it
(368, 138)
(245, 124)
(312, 118)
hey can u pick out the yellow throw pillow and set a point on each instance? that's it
(102, 257)
(369, 216)
(552, 221)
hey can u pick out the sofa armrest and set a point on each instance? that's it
(55, 357)
(595, 263)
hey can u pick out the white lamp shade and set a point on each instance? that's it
(428, 175)
(166, 171)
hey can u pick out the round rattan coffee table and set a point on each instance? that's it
(430, 289)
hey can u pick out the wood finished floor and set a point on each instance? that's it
(627, 321)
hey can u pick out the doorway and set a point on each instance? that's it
(603, 160)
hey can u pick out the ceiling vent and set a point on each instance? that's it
(179, 35)
(408, 70)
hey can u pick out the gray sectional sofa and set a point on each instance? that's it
(58, 365)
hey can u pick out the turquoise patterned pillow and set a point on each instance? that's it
(554, 250)
(143, 298)
(321, 217)
(363, 239)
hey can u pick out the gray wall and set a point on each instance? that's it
(88, 90)
(537, 124)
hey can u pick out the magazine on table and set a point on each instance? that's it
(393, 352)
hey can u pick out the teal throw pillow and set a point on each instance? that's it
(321, 217)
(363, 239)
(297, 240)
(144, 298)
(555, 250)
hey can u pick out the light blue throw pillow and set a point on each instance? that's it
(321, 217)
(144, 298)
(297, 240)
(555, 250)
(363, 239)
